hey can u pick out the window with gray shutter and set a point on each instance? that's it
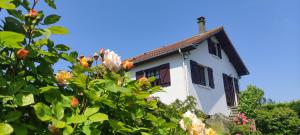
(198, 74)
(161, 73)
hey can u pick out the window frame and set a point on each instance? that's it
(162, 74)
(206, 83)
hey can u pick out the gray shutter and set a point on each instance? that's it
(211, 77)
(202, 75)
(194, 72)
(165, 78)
(210, 46)
(219, 51)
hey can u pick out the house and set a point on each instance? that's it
(205, 66)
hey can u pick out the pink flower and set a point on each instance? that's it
(112, 61)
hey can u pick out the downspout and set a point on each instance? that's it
(185, 71)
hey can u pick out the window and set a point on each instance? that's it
(161, 73)
(202, 75)
(214, 48)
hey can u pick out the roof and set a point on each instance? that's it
(189, 44)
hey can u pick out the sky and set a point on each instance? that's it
(266, 33)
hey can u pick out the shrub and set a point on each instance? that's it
(87, 99)
(250, 100)
(280, 120)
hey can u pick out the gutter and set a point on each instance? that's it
(185, 71)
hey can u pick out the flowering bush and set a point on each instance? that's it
(87, 99)
(244, 125)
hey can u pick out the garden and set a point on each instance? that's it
(97, 95)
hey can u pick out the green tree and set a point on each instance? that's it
(250, 100)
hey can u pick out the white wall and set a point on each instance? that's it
(177, 89)
(210, 100)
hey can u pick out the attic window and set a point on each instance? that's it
(161, 73)
(202, 75)
(214, 48)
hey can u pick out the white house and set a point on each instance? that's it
(205, 66)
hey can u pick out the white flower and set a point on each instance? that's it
(112, 61)
(197, 127)
(189, 114)
(181, 123)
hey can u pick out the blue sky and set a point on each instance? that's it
(266, 33)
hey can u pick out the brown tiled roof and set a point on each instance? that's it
(174, 47)
(190, 43)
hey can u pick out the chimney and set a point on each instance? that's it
(201, 24)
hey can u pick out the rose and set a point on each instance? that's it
(112, 61)
(74, 102)
(33, 13)
(196, 127)
(83, 62)
(22, 53)
(127, 65)
(210, 131)
(144, 81)
(62, 77)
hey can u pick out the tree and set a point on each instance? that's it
(250, 100)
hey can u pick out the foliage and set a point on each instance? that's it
(250, 100)
(183, 106)
(220, 123)
(279, 120)
(88, 99)
(294, 105)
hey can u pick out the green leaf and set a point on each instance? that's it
(45, 32)
(67, 57)
(62, 47)
(68, 130)
(16, 13)
(98, 117)
(90, 111)
(6, 4)
(42, 111)
(2, 82)
(58, 30)
(86, 130)
(58, 110)
(52, 95)
(58, 124)
(51, 19)
(48, 88)
(20, 129)
(76, 119)
(11, 39)
(41, 42)
(24, 100)
(51, 3)
(13, 116)
(11, 36)
(5, 129)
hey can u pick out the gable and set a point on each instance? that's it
(190, 43)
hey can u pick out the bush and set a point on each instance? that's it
(88, 99)
(280, 120)
(250, 100)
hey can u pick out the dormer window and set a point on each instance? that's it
(214, 48)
